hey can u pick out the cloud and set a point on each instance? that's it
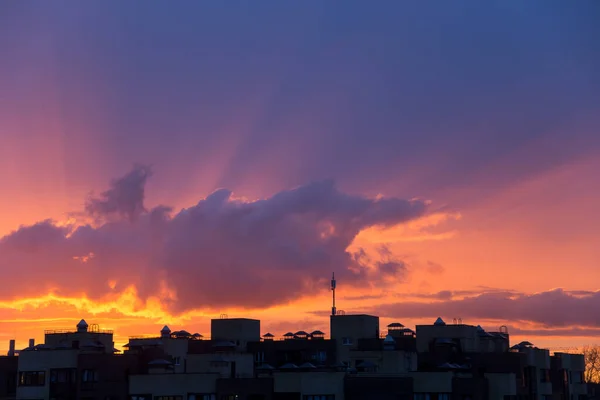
(555, 332)
(554, 308)
(435, 268)
(124, 198)
(222, 252)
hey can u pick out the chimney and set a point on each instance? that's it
(11, 348)
(32, 343)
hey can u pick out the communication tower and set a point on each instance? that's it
(333, 310)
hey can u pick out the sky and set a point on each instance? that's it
(169, 162)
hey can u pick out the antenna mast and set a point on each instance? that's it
(333, 310)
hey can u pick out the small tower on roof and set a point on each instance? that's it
(165, 332)
(82, 326)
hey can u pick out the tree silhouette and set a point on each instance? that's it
(592, 363)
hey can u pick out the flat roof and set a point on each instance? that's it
(235, 319)
(354, 315)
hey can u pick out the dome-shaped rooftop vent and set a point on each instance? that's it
(268, 336)
(301, 335)
(165, 332)
(317, 335)
(82, 326)
(526, 344)
(395, 325)
(389, 343)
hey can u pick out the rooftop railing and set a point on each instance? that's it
(275, 339)
(65, 331)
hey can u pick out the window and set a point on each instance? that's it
(89, 375)
(168, 397)
(322, 356)
(421, 396)
(260, 357)
(140, 397)
(319, 397)
(347, 341)
(435, 396)
(544, 375)
(202, 396)
(63, 375)
(177, 360)
(32, 378)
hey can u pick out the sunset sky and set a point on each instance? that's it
(168, 162)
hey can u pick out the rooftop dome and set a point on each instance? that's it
(439, 322)
(165, 329)
(82, 326)
(395, 325)
(389, 340)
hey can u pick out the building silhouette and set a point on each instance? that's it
(359, 361)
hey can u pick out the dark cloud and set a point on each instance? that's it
(453, 294)
(384, 261)
(222, 252)
(125, 198)
(560, 332)
(555, 308)
(435, 268)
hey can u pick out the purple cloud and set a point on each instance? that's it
(554, 308)
(221, 252)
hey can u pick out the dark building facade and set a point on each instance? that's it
(378, 387)
(438, 362)
(8, 377)
(296, 351)
(106, 376)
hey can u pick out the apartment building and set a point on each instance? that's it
(440, 361)
(567, 376)
(49, 370)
